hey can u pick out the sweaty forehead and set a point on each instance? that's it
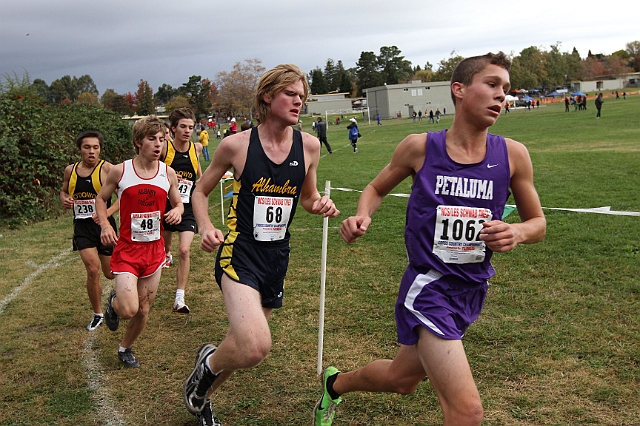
(90, 141)
(494, 71)
(185, 122)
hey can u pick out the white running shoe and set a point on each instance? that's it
(168, 261)
(180, 307)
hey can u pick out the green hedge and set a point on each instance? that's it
(37, 142)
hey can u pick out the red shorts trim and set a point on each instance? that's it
(138, 259)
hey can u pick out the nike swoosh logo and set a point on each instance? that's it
(491, 166)
(293, 163)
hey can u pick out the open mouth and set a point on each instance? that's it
(496, 108)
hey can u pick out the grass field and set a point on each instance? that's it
(557, 343)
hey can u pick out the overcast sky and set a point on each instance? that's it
(119, 42)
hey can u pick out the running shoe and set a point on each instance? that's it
(95, 322)
(180, 307)
(326, 407)
(110, 316)
(168, 261)
(206, 417)
(128, 359)
(199, 381)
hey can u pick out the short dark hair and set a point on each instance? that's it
(469, 67)
(89, 134)
(180, 113)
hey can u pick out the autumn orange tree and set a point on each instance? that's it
(236, 89)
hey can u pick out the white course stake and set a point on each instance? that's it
(323, 277)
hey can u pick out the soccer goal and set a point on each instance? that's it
(347, 113)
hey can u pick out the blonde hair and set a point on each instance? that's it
(149, 125)
(274, 81)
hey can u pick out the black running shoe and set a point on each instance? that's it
(128, 359)
(199, 381)
(95, 322)
(206, 417)
(110, 316)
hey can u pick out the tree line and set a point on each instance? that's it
(231, 92)
(533, 67)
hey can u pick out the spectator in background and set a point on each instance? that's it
(599, 103)
(354, 134)
(321, 129)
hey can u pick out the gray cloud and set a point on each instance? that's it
(120, 42)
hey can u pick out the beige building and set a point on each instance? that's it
(319, 104)
(400, 100)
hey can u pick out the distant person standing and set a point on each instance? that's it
(599, 103)
(321, 129)
(431, 120)
(204, 140)
(378, 119)
(233, 126)
(437, 115)
(566, 104)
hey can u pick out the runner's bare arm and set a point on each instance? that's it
(310, 198)
(198, 146)
(500, 236)
(108, 235)
(115, 206)
(65, 198)
(174, 216)
(406, 161)
(223, 159)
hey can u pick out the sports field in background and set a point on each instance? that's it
(558, 342)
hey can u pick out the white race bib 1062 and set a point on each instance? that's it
(145, 227)
(84, 209)
(457, 234)
(270, 217)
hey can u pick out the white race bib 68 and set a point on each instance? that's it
(270, 217)
(457, 234)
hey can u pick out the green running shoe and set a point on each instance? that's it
(326, 407)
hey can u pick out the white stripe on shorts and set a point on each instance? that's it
(418, 284)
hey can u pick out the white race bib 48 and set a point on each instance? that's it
(145, 227)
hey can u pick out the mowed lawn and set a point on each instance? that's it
(557, 344)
